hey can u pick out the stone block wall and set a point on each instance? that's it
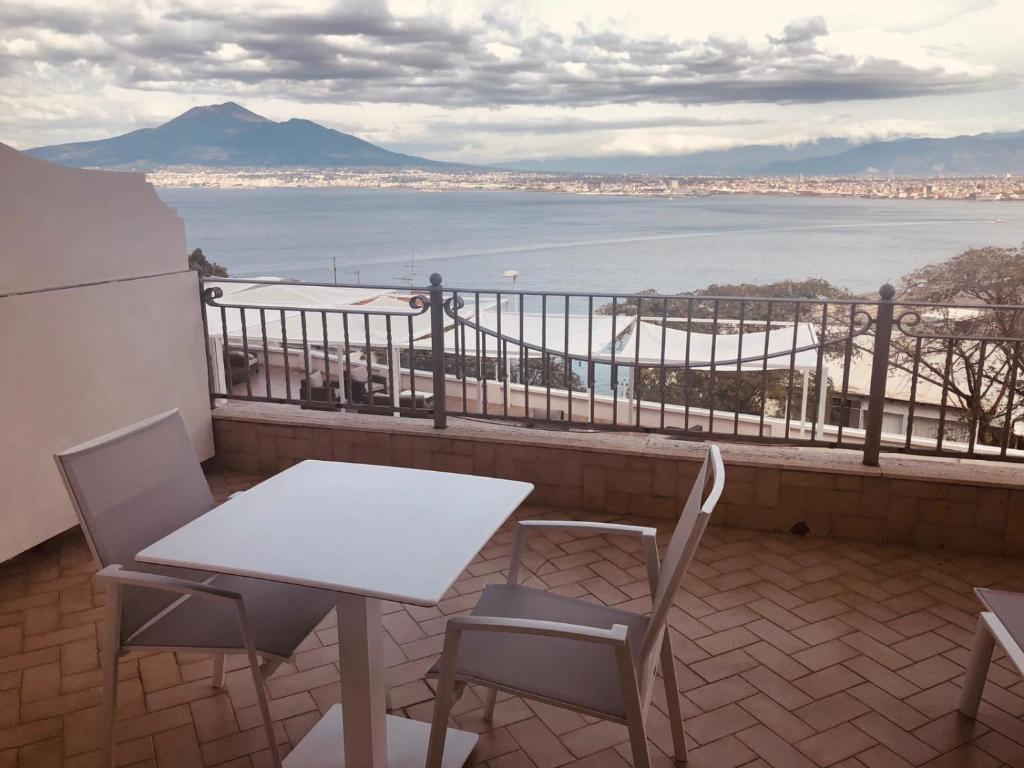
(928, 503)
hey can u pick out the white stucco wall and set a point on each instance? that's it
(99, 327)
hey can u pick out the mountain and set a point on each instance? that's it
(738, 161)
(228, 135)
(985, 153)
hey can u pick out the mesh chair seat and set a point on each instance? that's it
(281, 616)
(579, 673)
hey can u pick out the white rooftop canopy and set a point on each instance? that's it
(593, 337)
(286, 322)
(579, 335)
(777, 349)
(536, 331)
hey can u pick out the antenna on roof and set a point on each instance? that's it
(412, 269)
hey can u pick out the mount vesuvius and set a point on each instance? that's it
(229, 135)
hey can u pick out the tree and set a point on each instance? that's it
(810, 292)
(728, 392)
(982, 348)
(980, 275)
(197, 260)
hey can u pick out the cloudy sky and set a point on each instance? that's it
(488, 81)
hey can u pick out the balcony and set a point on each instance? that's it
(793, 652)
(826, 621)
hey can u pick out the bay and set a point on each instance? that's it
(563, 242)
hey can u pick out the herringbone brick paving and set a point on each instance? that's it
(793, 652)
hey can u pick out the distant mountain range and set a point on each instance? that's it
(985, 153)
(738, 161)
(229, 135)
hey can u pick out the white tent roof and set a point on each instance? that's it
(356, 301)
(537, 331)
(748, 346)
(294, 295)
(588, 336)
(549, 333)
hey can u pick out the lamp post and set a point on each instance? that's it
(515, 276)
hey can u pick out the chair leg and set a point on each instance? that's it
(110, 665)
(218, 671)
(111, 654)
(264, 702)
(444, 700)
(634, 708)
(638, 743)
(977, 669)
(491, 701)
(675, 712)
(439, 726)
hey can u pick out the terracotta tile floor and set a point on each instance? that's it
(794, 652)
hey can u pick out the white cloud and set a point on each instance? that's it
(483, 81)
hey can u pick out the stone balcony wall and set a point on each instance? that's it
(965, 506)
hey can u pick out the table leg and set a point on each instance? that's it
(358, 733)
(361, 653)
(977, 669)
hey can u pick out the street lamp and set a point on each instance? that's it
(515, 276)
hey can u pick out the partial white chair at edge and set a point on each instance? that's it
(133, 487)
(590, 658)
(1001, 622)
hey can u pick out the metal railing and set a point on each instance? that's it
(885, 375)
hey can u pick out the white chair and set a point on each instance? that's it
(590, 658)
(1002, 622)
(133, 487)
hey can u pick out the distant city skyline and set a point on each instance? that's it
(485, 82)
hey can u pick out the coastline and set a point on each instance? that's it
(974, 188)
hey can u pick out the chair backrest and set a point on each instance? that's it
(131, 488)
(684, 542)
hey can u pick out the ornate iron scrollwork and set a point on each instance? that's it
(211, 294)
(861, 322)
(453, 304)
(907, 321)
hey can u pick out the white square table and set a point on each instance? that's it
(368, 533)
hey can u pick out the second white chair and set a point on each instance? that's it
(590, 658)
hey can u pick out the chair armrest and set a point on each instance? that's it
(581, 525)
(117, 575)
(616, 635)
(646, 533)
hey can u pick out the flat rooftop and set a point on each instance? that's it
(793, 652)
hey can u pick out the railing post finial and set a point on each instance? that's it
(437, 351)
(879, 375)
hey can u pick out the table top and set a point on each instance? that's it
(388, 532)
